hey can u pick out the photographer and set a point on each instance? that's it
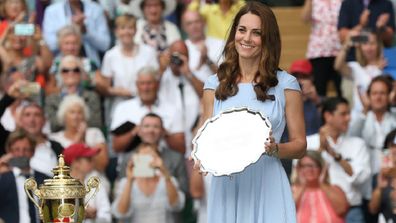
(180, 87)
(368, 65)
(148, 193)
(14, 170)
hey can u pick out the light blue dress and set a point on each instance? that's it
(261, 193)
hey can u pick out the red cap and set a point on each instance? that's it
(78, 150)
(301, 67)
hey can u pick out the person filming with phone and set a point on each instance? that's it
(148, 193)
(369, 64)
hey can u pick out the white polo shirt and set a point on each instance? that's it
(133, 110)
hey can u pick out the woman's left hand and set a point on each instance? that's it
(271, 147)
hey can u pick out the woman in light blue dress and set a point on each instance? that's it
(249, 76)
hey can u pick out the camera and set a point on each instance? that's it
(176, 60)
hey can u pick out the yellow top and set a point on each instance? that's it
(217, 22)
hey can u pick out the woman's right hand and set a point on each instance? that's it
(14, 89)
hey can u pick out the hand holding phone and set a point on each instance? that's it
(31, 88)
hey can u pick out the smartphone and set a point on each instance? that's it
(142, 167)
(31, 88)
(24, 29)
(20, 162)
(362, 38)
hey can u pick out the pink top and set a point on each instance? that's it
(315, 207)
(324, 40)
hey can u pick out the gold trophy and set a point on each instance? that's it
(62, 197)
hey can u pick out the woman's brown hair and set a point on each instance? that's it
(229, 71)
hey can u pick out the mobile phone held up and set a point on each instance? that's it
(24, 29)
(31, 88)
(142, 165)
(362, 38)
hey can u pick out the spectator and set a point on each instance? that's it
(151, 131)
(90, 19)
(302, 70)
(128, 114)
(218, 16)
(323, 44)
(316, 199)
(14, 203)
(12, 11)
(369, 64)
(148, 199)
(12, 56)
(204, 52)
(181, 87)
(375, 122)
(73, 114)
(32, 120)
(71, 71)
(151, 28)
(80, 159)
(383, 196)
(69, 43)
(372, 125)
(347, 157)
(121, 63)
(356, 15)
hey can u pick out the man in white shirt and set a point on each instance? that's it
(204, 52)
(181, 88)
(347, 157)
(128, 114)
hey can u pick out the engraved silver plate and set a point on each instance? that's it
(230, 141)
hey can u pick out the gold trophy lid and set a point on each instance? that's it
(62, 176)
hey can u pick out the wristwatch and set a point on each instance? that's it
(338, 157)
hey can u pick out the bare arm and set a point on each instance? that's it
(337, 198)
(102, 159)
(340, 63)
(197, 187)
(306, 11)
(171, 190)
(297, 144)
(176, 142)
(196, 83)
(298, 191)
(125, 200)
(208, 101)
(120, 142)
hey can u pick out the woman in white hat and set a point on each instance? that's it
(152, 29)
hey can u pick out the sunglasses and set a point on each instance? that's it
(67, 70)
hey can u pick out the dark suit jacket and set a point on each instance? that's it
(9, 207)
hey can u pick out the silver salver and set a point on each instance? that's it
(230, 141)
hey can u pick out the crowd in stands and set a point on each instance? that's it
(114, 83)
